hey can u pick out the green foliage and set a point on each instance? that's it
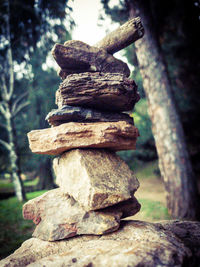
(142, 121)
(129, 53)
(31, 183)
(118, 12)
(145, 147)
(30, 21)
(13, 228)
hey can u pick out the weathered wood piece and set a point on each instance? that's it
(123, 36)
(79, 114)
(96, 178)
(108, 91)
(53, 141)
(136, 243)
(59, 216)
(76, 56)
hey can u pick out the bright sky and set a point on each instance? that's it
(85, 15)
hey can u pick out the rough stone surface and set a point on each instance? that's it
(53, 141)
(59, 216)
(79, 114)
(189, 233)
(96, 178)
(76, 56)
(136, 243)
(108, 91)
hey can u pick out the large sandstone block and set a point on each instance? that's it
(54, 141)
(103, 91)
(136, 243)
(76, 56)
(95, 178)
(59, 216)
(80, 114)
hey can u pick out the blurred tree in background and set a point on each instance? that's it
(28, 30)
(171, 30)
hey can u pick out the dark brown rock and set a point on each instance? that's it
(54, 141)
(108, 91)
(59, 216)
(136, 243)
(79, 114)
(76, 56)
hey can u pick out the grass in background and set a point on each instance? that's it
(7, 186)
(151, 211)
(31, 183)
(13, 228)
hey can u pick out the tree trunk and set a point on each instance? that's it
(18, 185)
(44, 169)
(9, 110)
(46, 179)
(174, 162)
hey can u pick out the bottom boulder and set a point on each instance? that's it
(136, 243)
(59, 216)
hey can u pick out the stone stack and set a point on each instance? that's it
(96, 187)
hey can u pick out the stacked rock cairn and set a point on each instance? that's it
(96, 187)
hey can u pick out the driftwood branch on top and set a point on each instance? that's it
(123, 36)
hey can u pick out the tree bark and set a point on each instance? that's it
(9, 110)
(18, 185)
(44, 170)
(174, 162)
(46, 180)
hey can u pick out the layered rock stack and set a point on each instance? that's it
(96, 188)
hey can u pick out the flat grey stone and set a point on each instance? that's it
(80, 114)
